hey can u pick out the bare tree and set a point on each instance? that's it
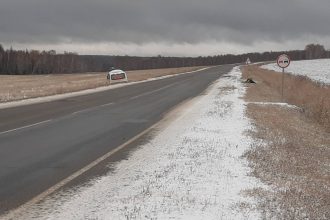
(315, 51)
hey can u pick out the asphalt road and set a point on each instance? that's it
(42, 144)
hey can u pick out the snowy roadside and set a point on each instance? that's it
(316, 70)
(191, 169)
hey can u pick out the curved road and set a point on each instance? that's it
(44, 143)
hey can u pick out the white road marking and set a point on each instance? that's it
(111, 103)
(151, 92)
(43, 122)
(92, 108)
(27, 126)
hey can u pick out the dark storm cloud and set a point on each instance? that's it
(173, 21)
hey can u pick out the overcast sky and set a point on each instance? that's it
(164, 27)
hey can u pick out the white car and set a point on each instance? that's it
(117, 76)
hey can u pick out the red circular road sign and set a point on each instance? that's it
(283, 61)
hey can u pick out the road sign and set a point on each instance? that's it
(283, 61)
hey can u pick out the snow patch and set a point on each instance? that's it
(283, 104)
(316, 70)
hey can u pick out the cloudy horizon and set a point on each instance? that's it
(167, 28)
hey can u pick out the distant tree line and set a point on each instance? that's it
(316, 51)
(22, 62)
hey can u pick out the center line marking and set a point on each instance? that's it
(27, 126)
(111, 103)
(151, 92)
(43, 122)
(92, 108)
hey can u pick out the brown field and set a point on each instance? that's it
(30, 86)
(293, 157)
(311, 97)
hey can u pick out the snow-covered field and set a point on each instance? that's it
(317, 70)
(191, 169)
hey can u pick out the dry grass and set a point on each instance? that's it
(31, 86)
(293, 155)
(312, 97)
(294, 160)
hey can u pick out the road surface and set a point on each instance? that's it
(42, 144)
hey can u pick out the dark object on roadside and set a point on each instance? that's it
(250, 80)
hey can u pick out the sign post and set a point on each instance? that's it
(283, 61)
